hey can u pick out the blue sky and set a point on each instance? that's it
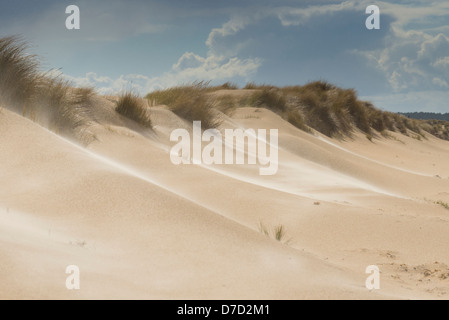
(404, 66)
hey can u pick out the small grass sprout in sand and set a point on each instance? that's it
(278, 233)
(443, 204)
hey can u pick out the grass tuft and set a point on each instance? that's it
(443, 204)
(269, 98)
(131, 106)
(226, 104)
(296, 119)
(63, 109)
(46, 99)
(190, 102)
(278, 233)
(19, 75)
(225, 86)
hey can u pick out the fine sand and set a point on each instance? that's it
(141, 227)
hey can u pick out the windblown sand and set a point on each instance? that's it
(140, 227)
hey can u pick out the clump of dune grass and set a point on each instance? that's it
(296, 119)
(337, 112)
(375, 117)
(443, 204)
(270, 98)
(388, 121)
(84, 94)
(224, 86)
(190, 102)
(46, 99)
(332, 111)
(63, 109)
(398, 121)
(254, 86)
(19, 74)
(226, 104)
(438, 128)
(250, 86)
(347, 100)
(82, 99)
(131, 106)
(278, 233)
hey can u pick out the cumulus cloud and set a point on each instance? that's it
(440, 82)
(190, 67)
(414, 62)
(441, 63)
(413, 58)
(299, 16)
(213, 67)
(234, 25)
(188, 60)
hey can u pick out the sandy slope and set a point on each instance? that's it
(140, 227)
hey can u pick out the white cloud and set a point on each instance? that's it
(413, 58)
(441, 63)
(215, 67)
(417, 12)
(209, 68)
(432, 48)
(440, 82)
(188, 60)
(299, 16)
(234, 25)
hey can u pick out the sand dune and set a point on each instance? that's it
(140, 227)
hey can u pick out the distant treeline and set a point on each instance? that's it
(426, 115)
